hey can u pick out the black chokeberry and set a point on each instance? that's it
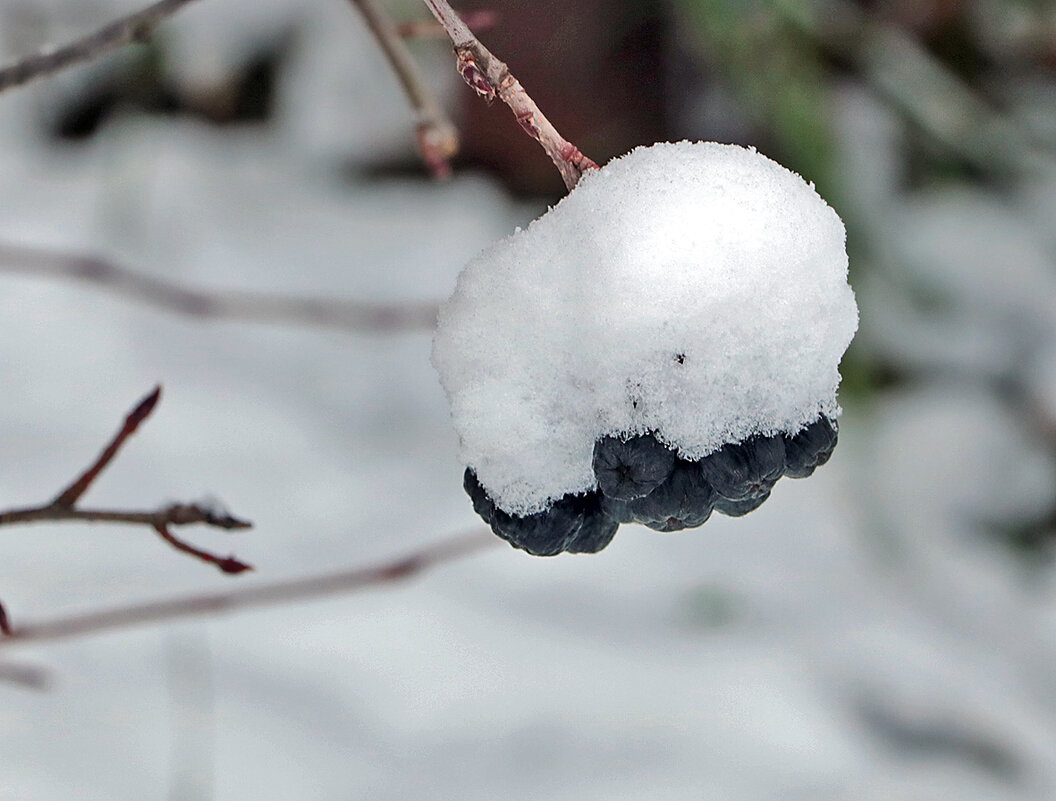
(684, 500)
(810, 448)
(575, 523)
(631, 468)
(745, 470)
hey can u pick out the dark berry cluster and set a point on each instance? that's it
(641, 481)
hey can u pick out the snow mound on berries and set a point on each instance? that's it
(694, 290)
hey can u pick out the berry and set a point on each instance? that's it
(482, 504)
(739, 508)
(597, 531)
(545, 533)
(810, 448)
(575, 523)
(745, 470)
(642, 481)
(684, 500)
(631, 468)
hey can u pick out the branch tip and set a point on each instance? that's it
(69, 497)
(233, 566)
(226, 564)
(64, 507)
(436, 135)
(438, 144)
(143, 409)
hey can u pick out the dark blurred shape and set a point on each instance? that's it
(929, 736)
(1034, 541)
(945, 27)
(1032, 538)
(140, 83)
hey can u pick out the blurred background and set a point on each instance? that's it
(883, 630)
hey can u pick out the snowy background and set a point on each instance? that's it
(883, 630)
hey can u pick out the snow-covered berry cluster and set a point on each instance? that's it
(663, 343)
(642, 481)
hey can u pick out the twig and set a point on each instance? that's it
(489, 77)
(227, 564)
(135, 27)
(256, 307)
(64, 507)
(73, 493)
(178, 514)
(427, 29)
(436, 135)
(277, 593)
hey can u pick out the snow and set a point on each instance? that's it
(857, 638)
(694, 290)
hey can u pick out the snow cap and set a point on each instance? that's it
(694, 290)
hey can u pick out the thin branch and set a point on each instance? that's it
(227, 564)
(64, 507)
(480, 20)
(436, 134)
(276, 593)
(490, 77)
(73, 493)
(257, 307)
(135, 27)
(178, 514)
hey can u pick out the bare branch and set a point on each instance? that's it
(135, 27)
(276, 593)
(73, 493)
(64, 507)
(227, 564)
(490, 77)
(179, 514)
(480, 20)
(257, 307)
(436, 134)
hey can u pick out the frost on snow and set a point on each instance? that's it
(693, 292)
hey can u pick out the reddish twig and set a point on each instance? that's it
(64, 507)
(227, 564)
(135, 27)
(177, 514)
(428, 29)
(436, 135)
(490, 77)
(205, 304)
(277, 593)
(73, 493)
